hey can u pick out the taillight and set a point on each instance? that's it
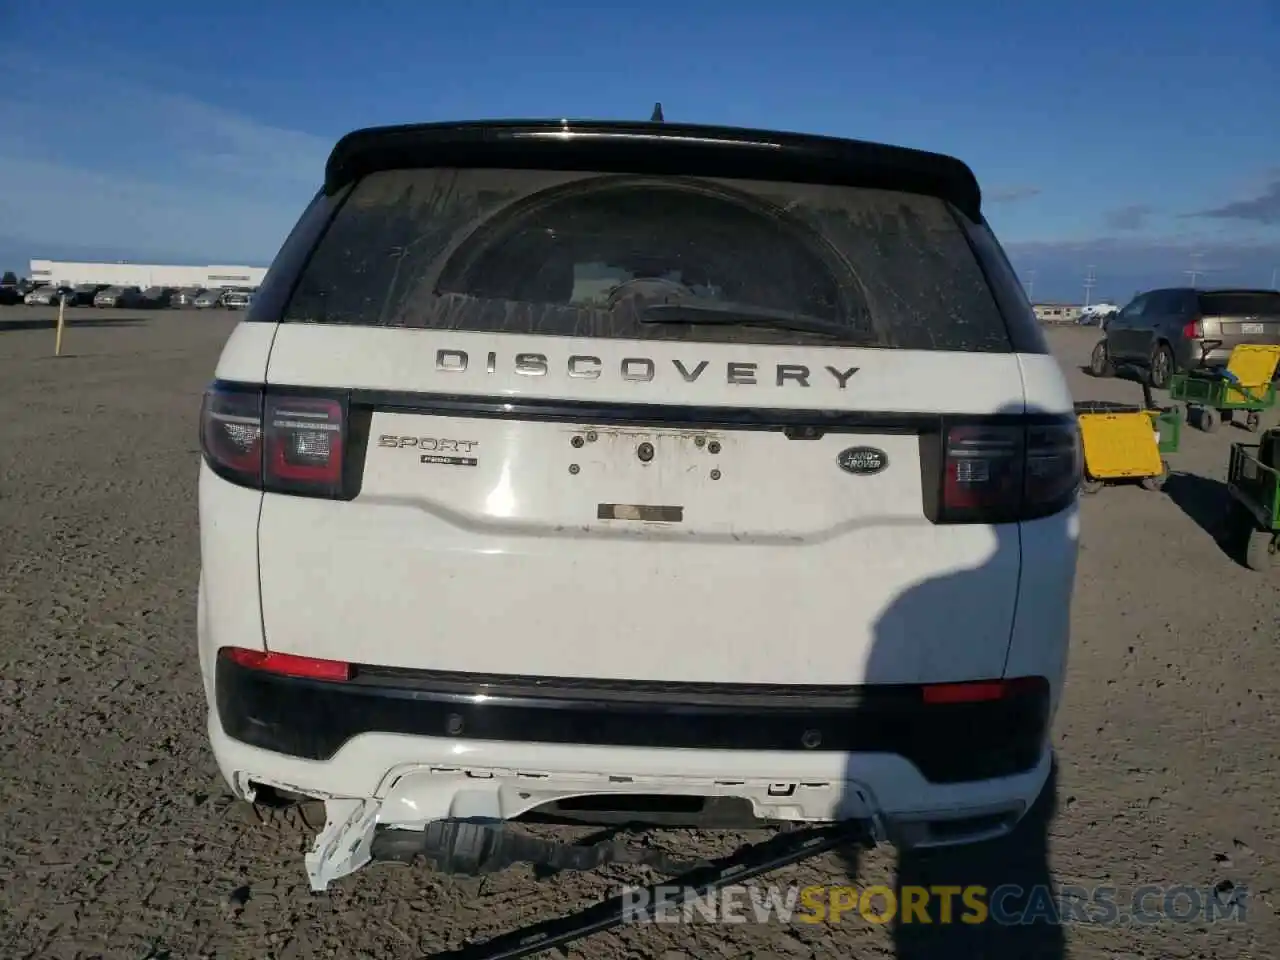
(1193, 329)
(1054, 465)
(998, 473)
(982, 470)
(304, 445)
(231, 433)
(277, 443)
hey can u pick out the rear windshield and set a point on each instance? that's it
(1246, 303)
(585, 255)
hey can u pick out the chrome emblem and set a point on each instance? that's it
(862, 461)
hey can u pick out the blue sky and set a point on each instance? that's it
(1141, 138)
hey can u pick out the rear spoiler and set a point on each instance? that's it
(671, 149)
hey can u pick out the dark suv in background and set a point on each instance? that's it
(1164, 331)
(130, 296)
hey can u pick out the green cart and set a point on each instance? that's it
(1245, 385)
(1253, 480)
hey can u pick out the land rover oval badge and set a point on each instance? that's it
(863, 461)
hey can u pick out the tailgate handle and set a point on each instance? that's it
(804, 433)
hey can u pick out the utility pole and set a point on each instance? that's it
(1195, 270)
(1274, 272)
(1090, 281)
(1031, 285)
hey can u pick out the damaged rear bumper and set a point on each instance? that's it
(398, 782)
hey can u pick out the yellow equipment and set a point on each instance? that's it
(1244, 386)
(1250, 369)
(1125, 443)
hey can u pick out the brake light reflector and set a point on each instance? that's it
(288, 664)
(980, 691)
(1193, 329)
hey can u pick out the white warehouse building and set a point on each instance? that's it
(144, 274)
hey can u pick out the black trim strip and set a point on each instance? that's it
(948, 743)
(515, 688)
(658, 414)
(813, 422)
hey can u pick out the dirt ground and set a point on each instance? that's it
(119, 840)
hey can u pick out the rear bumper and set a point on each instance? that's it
(412, 781)
(1188, 356)
(946, 743)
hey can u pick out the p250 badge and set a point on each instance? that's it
(862, 461)
(435, 449)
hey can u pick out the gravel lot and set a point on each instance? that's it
(120, 842)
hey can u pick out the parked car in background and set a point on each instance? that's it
(156, 298)
(1097, 314)
(83, 294)
(118, 297)
(11, 291)
(49, 294)
(235, 299)
(209, 299)
(186, 297)
(1164, 331)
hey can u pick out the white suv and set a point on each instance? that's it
(640, 470)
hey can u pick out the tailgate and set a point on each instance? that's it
(659, 528)
(1236, 330)
(1239, 317)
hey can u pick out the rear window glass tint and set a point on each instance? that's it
(573, 254)
(1245, 304)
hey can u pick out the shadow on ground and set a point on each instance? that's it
(1202, 499)
(1121, 372)
(45, 323)
(1013, 870)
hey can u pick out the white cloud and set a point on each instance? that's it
(95, 161)
(50, 204)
